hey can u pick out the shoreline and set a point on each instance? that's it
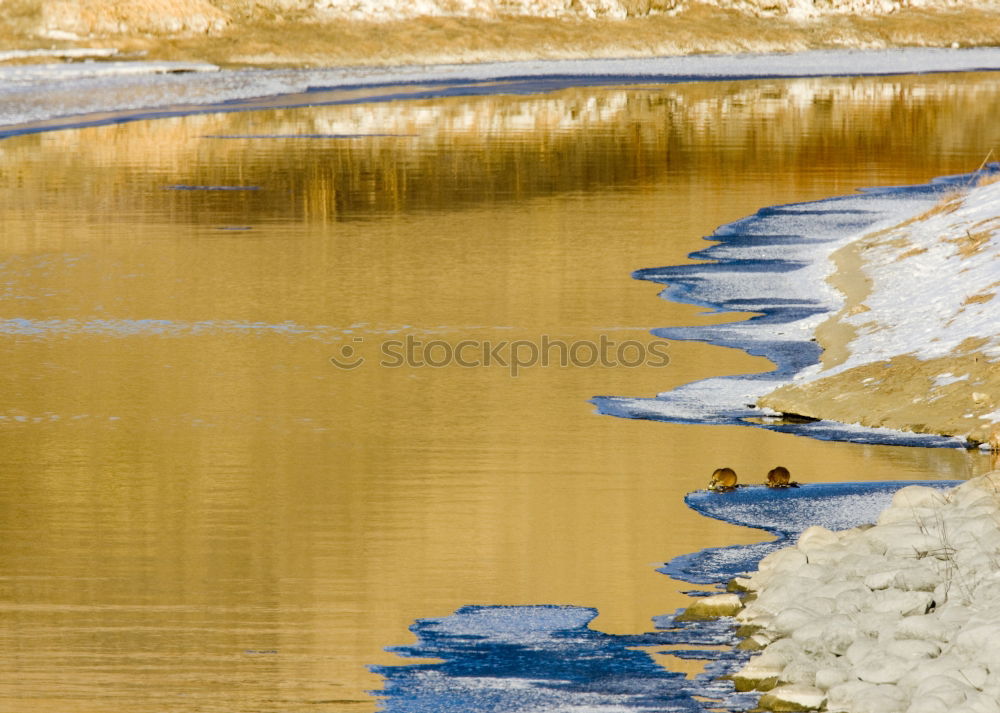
(894, 617)
(928, 367)
(42, 97)
(789, 250)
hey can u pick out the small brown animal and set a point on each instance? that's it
(723, 480)
(779, 478)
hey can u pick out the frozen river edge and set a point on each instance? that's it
(45, 97)
(872, 367)
(143, 113)
(896, 617)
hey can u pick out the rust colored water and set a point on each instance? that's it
(200, 512)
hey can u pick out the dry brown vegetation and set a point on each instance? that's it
(977, 237)
(971, 243)
(277, 33)
(987, 180)
(980, 298)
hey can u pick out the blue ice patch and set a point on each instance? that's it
(783, 512)
(546, 658)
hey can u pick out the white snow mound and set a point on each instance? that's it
(900, 617)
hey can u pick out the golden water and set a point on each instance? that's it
(199, 512)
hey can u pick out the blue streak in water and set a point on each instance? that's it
(185, 187)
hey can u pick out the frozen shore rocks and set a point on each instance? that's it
(902, 616)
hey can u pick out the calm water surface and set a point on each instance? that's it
(200, 512)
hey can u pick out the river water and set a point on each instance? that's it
(201, 511)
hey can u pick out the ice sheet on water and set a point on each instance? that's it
(510, 623)
(35, 74)
(547, 659)
(784, 513)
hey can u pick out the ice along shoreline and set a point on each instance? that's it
(898, 617)
(780, 263)
(45, 97)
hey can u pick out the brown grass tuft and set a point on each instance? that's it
(980, 298)
(912, 252)
(971, 243)
(987, 180)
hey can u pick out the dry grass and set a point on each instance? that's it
(980, 298)
(976, 237)
(949, 204)
(987, 180)
(85, 17)
(972, 243)
(912, 253)
(263, 35)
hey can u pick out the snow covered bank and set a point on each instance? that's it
(777, 263)
(916, 344)
(898, 617)
(876, 309)
(84, 17)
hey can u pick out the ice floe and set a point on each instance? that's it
(782, 512)
(547, 659)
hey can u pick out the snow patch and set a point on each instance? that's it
(947, 378)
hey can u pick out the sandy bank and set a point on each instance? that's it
(330, 33)
(915, 345)
(899, 616)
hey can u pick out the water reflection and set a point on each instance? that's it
(359, 160)
(176, 504)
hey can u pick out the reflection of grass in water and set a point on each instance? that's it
(471, 151)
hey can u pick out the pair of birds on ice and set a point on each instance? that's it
(724, 479)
